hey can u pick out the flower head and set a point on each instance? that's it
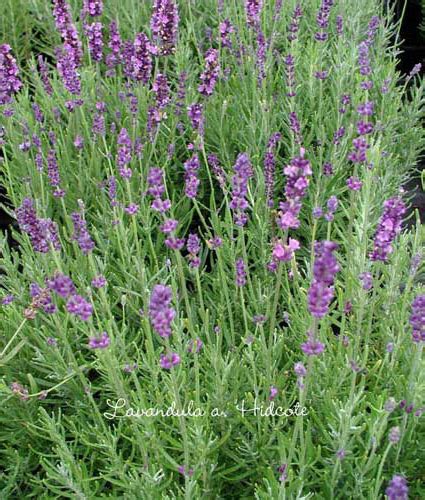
(101, 342)
(388, 228)
(164, 25)
(169, 361)
(43, 233)
(160, 312)
(210, 74)
(417, 319)
(397, 488)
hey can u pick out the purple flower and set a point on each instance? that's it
(240, 273)
(98, 282)
(243, 172)
(215, 242)
(8, 299)
(131, 209)
(210, 75)
(79, 142)
(300, 370)
(44, 75)
(394, 435)
(162, 91)
(367, 85)
(67, 69)
(124, 154)
(285, 252)
(81, 235)
(160, 312)
(415, 70)
(325, 264)
(327, 169)
(195, 112)
(261, 56)
(364, 64)
(161, 206)
(364, 128)
(319, 298)
(98, 126)
(181, 93)
(169, 361)
(80, 307)
(101, 342)
(295, 126)
(93, 8)
(169, 226)
(332, 205)
(53, 173)
(164, 25)
(366, 109)
(62, 285)
(269, 167)
(225, 29)
(95, 39)
(372, 29)
(389, 347)
(217, 170)
(358, 154)
(141, 59)
(354, 183)
(253, 10)
(112, 190)
(194, 247)
(312, 347)
(294, 25)
(367, 281)
(156, 182)
(282, 469)
(19, 390)
(43, 233)
(339, 25)
(325, 268)
(417, 319)
(397, 488)
(388, 228)
(41, 299)
(297, 173)
(67, 30)
(273, 392)
(321, 75)
(174, 243)
(195, 346)
(290, 74)
(191, 167)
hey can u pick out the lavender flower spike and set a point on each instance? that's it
(417, 319)
(388, 228)
(164, 25)
(160, 312)
(325, 268)
(243, 172)
(397, 489)
(210, 75)
(43, 233)
(9, 81)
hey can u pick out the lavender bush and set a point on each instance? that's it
(208, 291)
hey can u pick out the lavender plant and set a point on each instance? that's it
(208, 290)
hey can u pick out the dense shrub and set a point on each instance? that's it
(209, 217)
